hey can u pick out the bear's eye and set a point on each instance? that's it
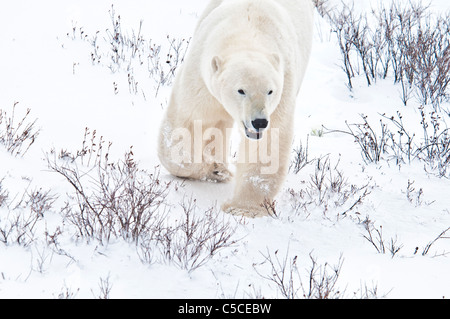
(270, 92)
(241, 92)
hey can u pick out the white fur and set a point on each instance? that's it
(261, 47)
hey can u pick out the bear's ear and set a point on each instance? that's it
(275, 60)
(216, 64)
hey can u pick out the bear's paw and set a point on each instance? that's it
(245, 211)
(219, 173)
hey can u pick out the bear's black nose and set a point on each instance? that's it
(260, 124)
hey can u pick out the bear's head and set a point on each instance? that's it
(249, 86)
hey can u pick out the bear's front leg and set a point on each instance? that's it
(251, 192)
(261, 170)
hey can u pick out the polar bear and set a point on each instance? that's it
(244, 68)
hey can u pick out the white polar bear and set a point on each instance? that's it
(245, 66)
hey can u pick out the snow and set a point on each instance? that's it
(43, 68)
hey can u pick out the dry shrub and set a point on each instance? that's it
(17, 137)
(19, 220)
(119, 200)
(402, 40)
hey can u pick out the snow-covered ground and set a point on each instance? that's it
(46, 65)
